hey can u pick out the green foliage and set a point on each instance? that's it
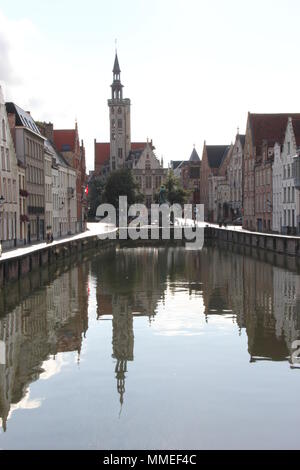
(121, 183)
(175, 193)
(96, 187)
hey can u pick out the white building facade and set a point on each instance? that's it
(235, 177)
(9, 183)
(277, 175)
(63, 195)
(286, 195)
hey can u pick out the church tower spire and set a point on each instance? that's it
(119, 117)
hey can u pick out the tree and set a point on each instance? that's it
(121, 183)
(95, 193)
(175, 193)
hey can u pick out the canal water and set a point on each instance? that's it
(152, 348)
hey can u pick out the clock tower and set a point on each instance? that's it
(119, 118)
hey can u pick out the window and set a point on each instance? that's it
(113, 136)
(119, 110)
(113, 123)
(284, 195)
(113, 163)
(120, 124)
(7, 160)
(120, 153)
(3, 130)
(148, 182)
(3, 158)
(148, 165)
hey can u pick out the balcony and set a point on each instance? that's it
(296, 171)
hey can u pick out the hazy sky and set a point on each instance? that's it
(192, 69)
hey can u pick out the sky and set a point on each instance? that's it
(192, 69)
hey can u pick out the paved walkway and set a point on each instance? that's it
(92, 230)
(96, 228)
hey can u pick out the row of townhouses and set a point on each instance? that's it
(42, 179)
(255, 179)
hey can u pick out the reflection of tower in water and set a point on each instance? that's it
(123, 342)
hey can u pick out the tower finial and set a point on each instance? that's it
(116, 42)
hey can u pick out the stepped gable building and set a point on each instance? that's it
(235, 177)
(67, 142)
(262, 132)
(29, 145)
(212, 158)
(120, 152)
(286, 181)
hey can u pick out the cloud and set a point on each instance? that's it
(15, 36)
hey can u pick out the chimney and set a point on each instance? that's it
(46, 129)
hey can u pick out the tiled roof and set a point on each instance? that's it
(138, 145)
(64, 140)
(194, 157)
(269, 127)
(23, 118)
(215, 154)
(102, 153)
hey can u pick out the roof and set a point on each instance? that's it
(135, 154)
(296, 129)
(64, 139)
(269, 127)
(58, 157)
(176, 163)
(242, 138)
(23, 118)
(139, 145)
(216, 154)
(194, 157)
(102, 153)
(116, 68)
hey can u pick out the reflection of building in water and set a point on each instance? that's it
(287, 306)
(123, 341)
(129, 284)
(263, 342)
(49, 321)
(223, 283)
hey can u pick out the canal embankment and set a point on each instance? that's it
(281, 244)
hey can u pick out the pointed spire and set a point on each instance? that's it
(116, 68)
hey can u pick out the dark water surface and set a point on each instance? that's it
(151, 348)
